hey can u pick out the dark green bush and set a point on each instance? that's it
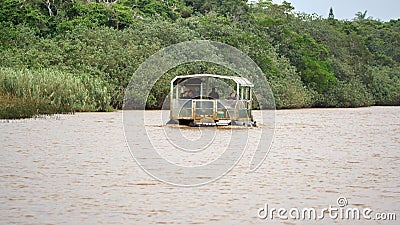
(351, 93)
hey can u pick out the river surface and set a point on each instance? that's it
(78, 169)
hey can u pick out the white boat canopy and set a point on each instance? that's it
(241, 81)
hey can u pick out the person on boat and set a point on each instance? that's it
(190, 94)
(184, 94)
(232, 96)
(213, 94)
(230, 103)
(187, 94)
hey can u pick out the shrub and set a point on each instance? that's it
(345, 94)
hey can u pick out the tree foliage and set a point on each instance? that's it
(308, 60)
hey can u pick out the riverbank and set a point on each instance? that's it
(27, 93)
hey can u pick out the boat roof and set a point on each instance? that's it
(239, 80)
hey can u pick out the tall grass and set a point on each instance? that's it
(25, 93)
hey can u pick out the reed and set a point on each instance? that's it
(25, 93)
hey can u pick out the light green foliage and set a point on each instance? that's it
(52, 91)
(384, 85)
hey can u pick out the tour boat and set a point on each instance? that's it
(211, 100)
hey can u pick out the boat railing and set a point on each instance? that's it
(217, 109)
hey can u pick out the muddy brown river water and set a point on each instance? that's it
(77, 169)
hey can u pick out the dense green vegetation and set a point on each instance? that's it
(29, 92)
(66, 56)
